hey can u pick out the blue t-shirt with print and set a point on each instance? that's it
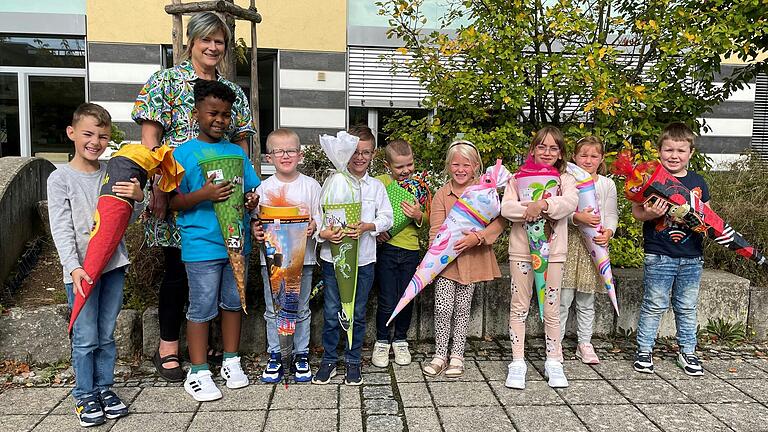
(201, 238)
(665, 236)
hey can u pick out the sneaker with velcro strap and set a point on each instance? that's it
(89, 412)
(273, 373)
(643, 362)
(112, 405)
(201, 387)
(232, 372)
(690, 364)
(301, 370)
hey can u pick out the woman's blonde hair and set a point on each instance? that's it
(591, 140)
(205, 24)
(466, 149)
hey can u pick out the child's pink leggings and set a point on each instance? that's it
(522, 289)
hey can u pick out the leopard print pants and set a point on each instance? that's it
(452, 300)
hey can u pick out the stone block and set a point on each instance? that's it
(604, 317)
(497, 294)
(758, 310)
(35, 335)
(127, 333)
(721, 295)
(253, 331)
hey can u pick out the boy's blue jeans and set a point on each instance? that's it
(93, 339)
(301, 337)
(663, 275)
(395, 267)
(332, 306)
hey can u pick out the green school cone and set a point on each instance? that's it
(230, 212)
(345, 265)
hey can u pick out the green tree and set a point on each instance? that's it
(617, 69)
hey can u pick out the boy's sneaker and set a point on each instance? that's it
(112, 405)
(89, 411)
(201, 387)
(380, 356)
(553, 371)
(233, 373)
(402, 354)
(274, 371)
(516, 375)
(325, 373)
(354, 376)
(643, 362)
(586, 352)
(690, 364)
(301, 370)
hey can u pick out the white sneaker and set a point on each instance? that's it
(233, 373)
(402, 354)
(380, 356)
(553, 371)
(201, 387)
(516, 375)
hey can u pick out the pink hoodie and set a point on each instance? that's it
(560, 207)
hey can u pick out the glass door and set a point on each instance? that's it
(52, 100)
(10, 138)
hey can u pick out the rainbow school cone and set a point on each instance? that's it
(599, 254)
(230, 212)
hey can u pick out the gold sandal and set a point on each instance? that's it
(435, 367)
(455, 368)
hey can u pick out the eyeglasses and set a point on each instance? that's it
(280, 152)
(365, 153)
(541, 148)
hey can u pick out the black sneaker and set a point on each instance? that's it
(354, 376)
(300, 368)
(643, 362)
(690, 364)
(112, 405)
(89, 412)
(325, 373)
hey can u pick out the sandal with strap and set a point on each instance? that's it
(174, 374)
(435, 367)
(455, 368)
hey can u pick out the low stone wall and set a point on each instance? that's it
(22, 185)
(39, 335)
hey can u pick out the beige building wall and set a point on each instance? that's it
(306, 25)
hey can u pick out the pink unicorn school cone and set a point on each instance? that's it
(537, 182)
(599, 254)
(474, 210)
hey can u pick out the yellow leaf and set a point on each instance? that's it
(602, 52)
(402, 50)
(507, 100)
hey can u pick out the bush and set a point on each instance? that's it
(626, 247)
(145, 272)
(739, 196)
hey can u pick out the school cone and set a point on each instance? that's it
(651, 181)
(110, 220)
(599, 254)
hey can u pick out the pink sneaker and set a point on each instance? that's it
(586, 352)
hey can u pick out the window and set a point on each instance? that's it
(42, 51)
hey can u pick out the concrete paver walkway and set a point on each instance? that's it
(731, 396)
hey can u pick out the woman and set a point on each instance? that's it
(163, 108)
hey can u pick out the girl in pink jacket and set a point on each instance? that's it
(547, 148)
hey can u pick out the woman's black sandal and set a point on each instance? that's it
(174, 374)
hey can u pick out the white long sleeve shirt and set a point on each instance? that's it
(376, 209)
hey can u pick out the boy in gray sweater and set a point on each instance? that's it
(73, 191)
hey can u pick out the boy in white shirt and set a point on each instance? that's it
(376, 217)
(284, 152)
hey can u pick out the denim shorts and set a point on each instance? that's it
(211, 286)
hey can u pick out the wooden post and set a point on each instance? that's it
(177, 35)
(256, 142)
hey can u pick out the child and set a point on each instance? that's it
(396, 261)
(476, 262)
(284, 152)
(580, 278)
(547, 148)
(672, 263)
(211, 280)
(375, 218)
(73, 191)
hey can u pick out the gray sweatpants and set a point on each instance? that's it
(585, 313)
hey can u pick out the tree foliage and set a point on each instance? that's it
(617, 69)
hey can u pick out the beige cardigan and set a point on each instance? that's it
(559, 208)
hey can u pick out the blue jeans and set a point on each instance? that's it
(663, 275)
(301, 337)
(211, 286)
(93, 339)
(332, 306)
(395, 267)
